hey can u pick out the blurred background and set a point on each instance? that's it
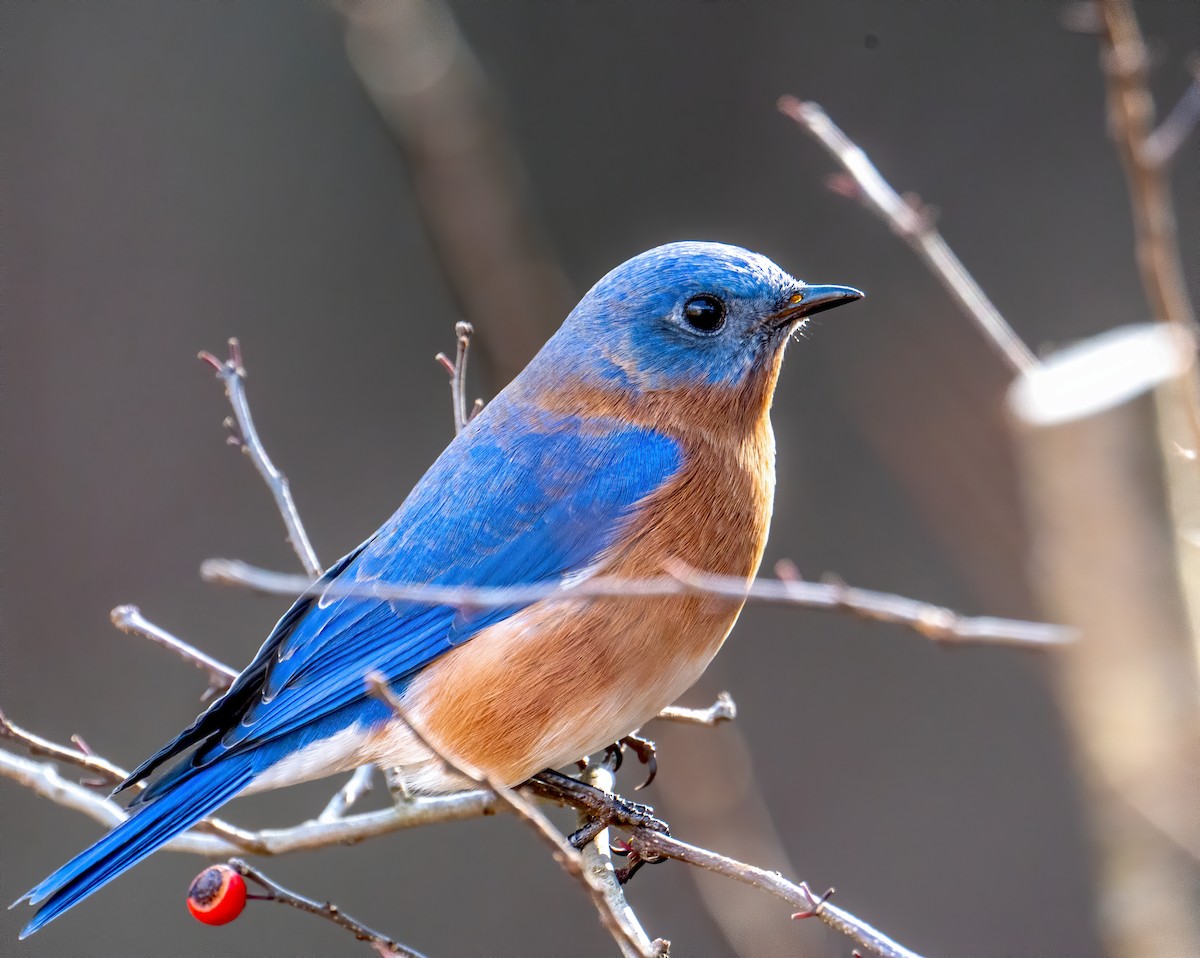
(337, 189)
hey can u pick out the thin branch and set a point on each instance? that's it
(129, 618)
(44, 779)
(651, 845)
(345, 797)
(931, 621)
(523, 808)
(457, 371)
(724, 709)
(1131, 124)
(385, 946)
(910, 221)
(232, 373)
(105, 772)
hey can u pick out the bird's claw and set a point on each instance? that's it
(634, 860)
(647, 754)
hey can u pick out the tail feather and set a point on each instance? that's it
(152, 825)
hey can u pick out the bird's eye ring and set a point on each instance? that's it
(705, 313)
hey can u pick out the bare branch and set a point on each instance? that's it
(344, 798)
(931, 621)
(566, 856)
(106, 772)
(724, 709)
(385, 946)
(129, 618)
(913, 224)
(651, 844)
(243, 435)
(43, 778)
(1131, 123)
(457, 371)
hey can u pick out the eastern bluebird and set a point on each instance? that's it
(640, 433)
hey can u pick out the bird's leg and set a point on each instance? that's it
(395, 783)
(644, 749)
(605, 809)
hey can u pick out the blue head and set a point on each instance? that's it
(687, 314)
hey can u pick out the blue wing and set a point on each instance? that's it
(519, 498)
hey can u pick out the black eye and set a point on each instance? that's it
(705, 312)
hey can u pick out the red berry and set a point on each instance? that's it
(217, 896)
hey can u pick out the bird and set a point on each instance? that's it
(638, 435)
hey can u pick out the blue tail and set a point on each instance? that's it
(188, 800)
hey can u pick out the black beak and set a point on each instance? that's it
(808, 300)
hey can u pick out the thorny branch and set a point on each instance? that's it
(385, 946)
(616, 923)
(913, 223)
(931, 621)
(232, 372)
(651, 844)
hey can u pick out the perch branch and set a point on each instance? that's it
(232, 373)
(1131, 124)
(649, 844)
(385, 946)
(913, 223)
(627, 937)
(931, 621)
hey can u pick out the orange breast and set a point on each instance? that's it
(562, 679)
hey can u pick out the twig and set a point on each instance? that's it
(243, 435)
(105, 771)
(650, 844)
(931, 621)
(344, 798)
(385, 946)
(1131, 124)
(457, 371)
(566, 856)
(129, 618)
(724, 709)
(914, 225)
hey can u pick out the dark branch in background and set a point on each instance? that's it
(466, 174)
(243, 435)
(912, 222)
(1131, 123)
(931, 621)
(385, 946)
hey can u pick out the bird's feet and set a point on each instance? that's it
(602, 808)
